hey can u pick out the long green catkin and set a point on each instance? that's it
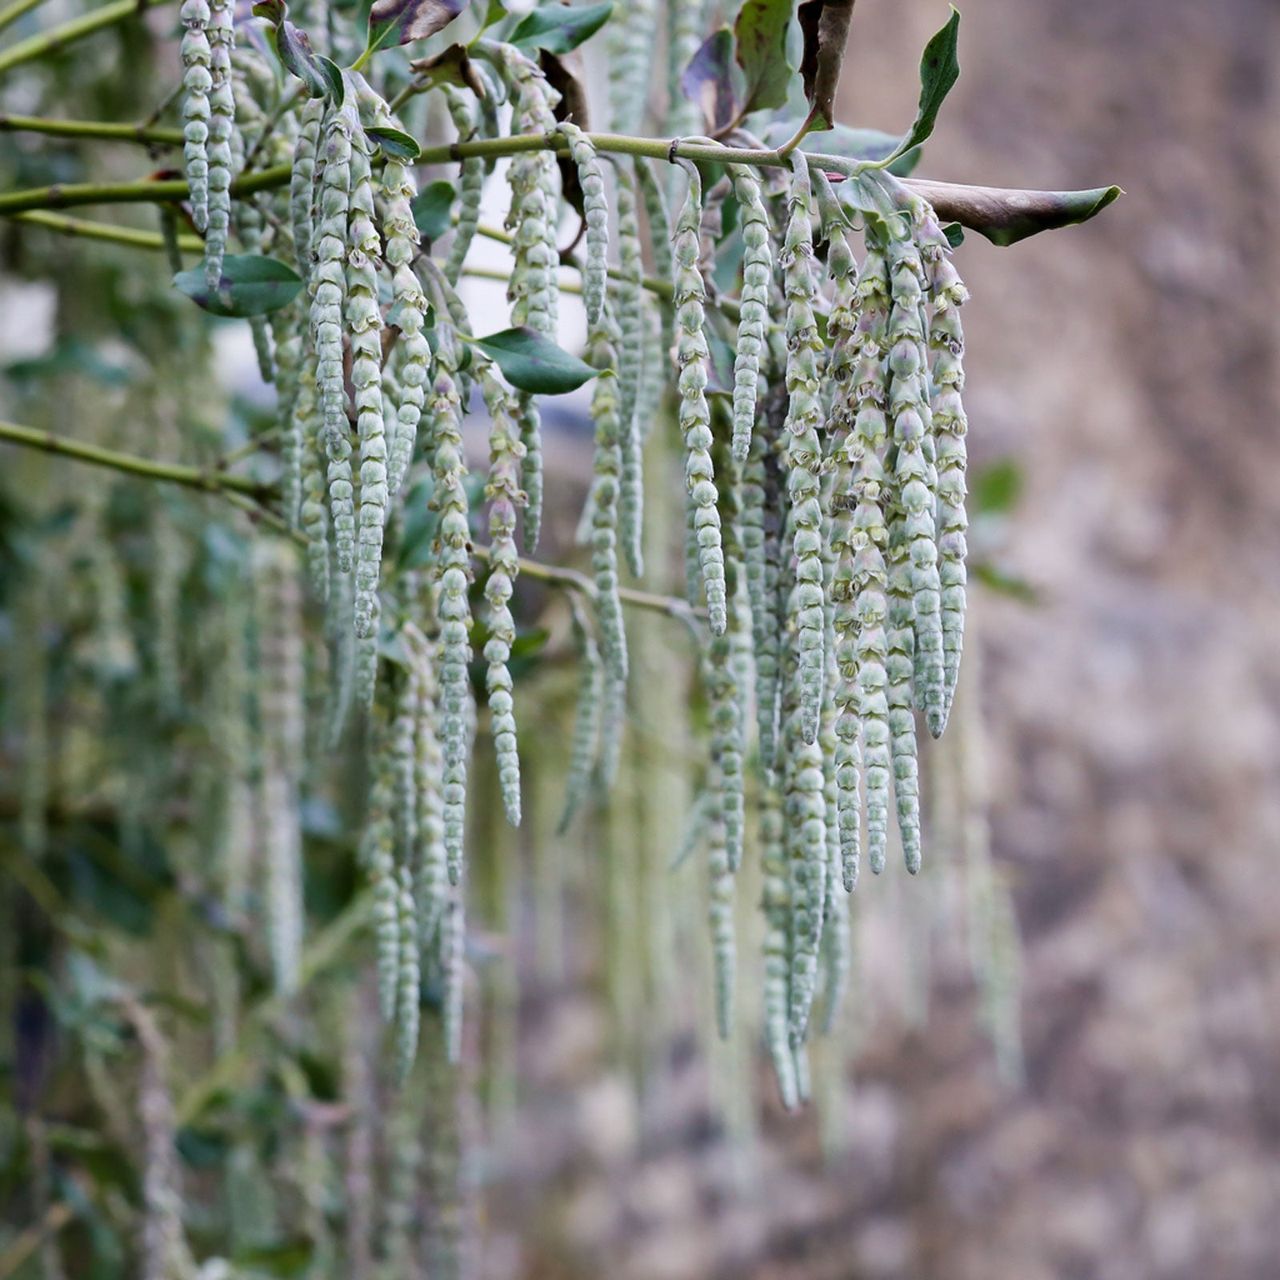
(289, 327)
(914, 470)
(403, 747)
(431, 884)
(409, 308)
(776, 906)
(586, 718)
(900, 649)
(533, 290)
(301, 182)
(222, 110)
(692, 358)
(659, 219)
(720, 915)
(595, 215)
(604, 524)
(757, 274)
(629, 293)
(453, 611)
(804, 451)
(328, 293)
(313, 512)
(197, 82)
(503, 492)
(280, 700)
(843, 460)
(870, 539)
(408, 978)
(377, 852)
(947, 293)
(470, 184)
(453, 954)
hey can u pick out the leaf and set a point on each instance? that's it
(1006, 216)
(250, 286)
(532, 363)
(452, 65)
(319, 74)
(939, 70)
(761, 34)
(395, 143)
(954, 233)
(433, 208)
(558, 28)
(708, 81)
(825, 27)
(404, 21)
(995, 489)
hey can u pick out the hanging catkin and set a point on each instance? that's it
(776, 906)
(595, 216)
(408, 978)
(720, 917)
(947, 293)
(222, 40)
(604, 524)
(364, 323)
(328, 293)
(197, 82)
(289, 326)
(629, 294)
(453, 951)
(586, 716)
(804, 452)
(503, 492)
(377, 853)
(280, 702)
(431, 885)
(632, 39)
(301, 181)
(844, 454)
(757, 274)
(692, 358)
(900, 648)
(409, 308)
(453, 611)
(313, 513)
(470, 184)
(870, 537)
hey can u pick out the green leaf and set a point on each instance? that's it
(404, 21)
(939, 70)
(708, 81)
(825, 27)
(319, 74)
(433, 208)
(995, 489)
(558, 28)
(954, 233)
(532, 363)
(761, 35)
(395, 143)
(250, 286)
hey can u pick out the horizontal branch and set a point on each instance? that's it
(44, 42)
(1003, 214)
(84, 229)
(253, 497)
(208, 481)
(97, 130)
(15, 11)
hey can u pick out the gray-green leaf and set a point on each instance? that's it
(939, 70)
(532, 363)
(250, 286)
(404, 21)
(433, 208)
(558, 28)
(395, 143)
(708, 81)
(760, 31)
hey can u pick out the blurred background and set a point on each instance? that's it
(1123, 720)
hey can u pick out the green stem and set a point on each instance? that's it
(87, 230)
(168, 472)
(56, 37)
(16, 10)
(96, 129)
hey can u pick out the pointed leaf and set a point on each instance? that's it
(1005, 216)
(825, 27)
(851, 144)
(404, 21)
(558, 28)
(319, 74)
(395, 143)
(939, 70)
(760, 32)
(433, 208)
(250, 286)
(533, 363)
(708, 81)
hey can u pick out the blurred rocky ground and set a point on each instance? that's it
(1133, 718)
